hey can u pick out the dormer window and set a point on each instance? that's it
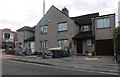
(85, 28)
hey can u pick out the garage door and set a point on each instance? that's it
(104, 47)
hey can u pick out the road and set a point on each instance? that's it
(21, 68)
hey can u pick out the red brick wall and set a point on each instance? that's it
(0, 36)
(15, 36)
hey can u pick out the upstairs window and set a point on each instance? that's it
(6, 35)
(85, 28)
(44, 29)
(62, 26)
(103, 23)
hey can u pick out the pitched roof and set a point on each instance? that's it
(83, 35)
(26, 28)
(50, 9)
(85, 19)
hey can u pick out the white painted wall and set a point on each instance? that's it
(32, 45)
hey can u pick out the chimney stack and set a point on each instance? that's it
(65, 11)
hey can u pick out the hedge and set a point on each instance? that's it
(117, 43)
(117, 40)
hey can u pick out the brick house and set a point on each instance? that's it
(58, 30)
(8, 38)
(95, 34)
(91, 32)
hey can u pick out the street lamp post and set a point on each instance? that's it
(43, 54)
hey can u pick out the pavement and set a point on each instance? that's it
(104, 64)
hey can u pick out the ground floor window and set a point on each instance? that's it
(89, 42)
(44, 44)
(62, 42)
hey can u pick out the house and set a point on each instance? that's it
(58, 30)
(81, 34)
(119, 13)
(95, 34)
(85, 38)
(8, 38)
(104, 27)
(26, 36)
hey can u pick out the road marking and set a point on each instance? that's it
(59, 67)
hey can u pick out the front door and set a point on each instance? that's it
(79, 46)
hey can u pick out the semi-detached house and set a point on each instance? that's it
(59, 30)
(83, 33)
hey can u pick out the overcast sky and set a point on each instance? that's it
(15, 14)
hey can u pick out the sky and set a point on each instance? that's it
(15, 14)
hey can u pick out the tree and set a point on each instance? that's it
(117, 43)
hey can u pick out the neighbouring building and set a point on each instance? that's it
(26, 36)
(8, 38)
(91, 33)
(119, 13)
(0, 38)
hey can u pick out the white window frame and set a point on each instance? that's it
(103, 23)
(62, 26)
(85, 28)
(45, 29)
(89, 42)
(44, 44)
(62, 42)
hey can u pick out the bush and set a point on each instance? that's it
(117, 40)
(117, 43)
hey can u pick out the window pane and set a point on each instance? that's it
(61, 43)
(62, 26)
(103, 23)
(89, 42)
(85, 28)
(45, 29)
(44, 44)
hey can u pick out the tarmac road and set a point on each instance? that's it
(22, 68)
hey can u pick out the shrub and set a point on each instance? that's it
(117, 40)
(117, 43)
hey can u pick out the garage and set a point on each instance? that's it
(104, 47)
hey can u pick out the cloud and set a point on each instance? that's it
(18, 13)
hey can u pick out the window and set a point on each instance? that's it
(44, 30)
(11, 35)
(89, 42)
(44, 44)
(61, 43)
(103, 23)
(62, 26)
(85, 28)
(6, 35)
